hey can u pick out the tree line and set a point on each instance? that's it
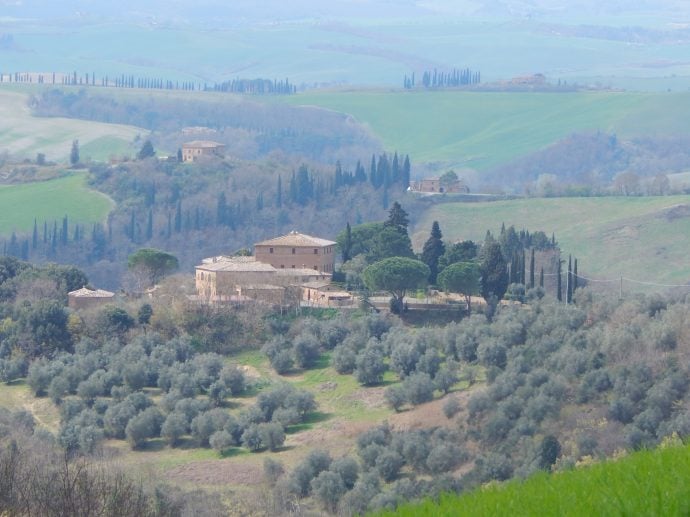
(258, 86)
(443, 79)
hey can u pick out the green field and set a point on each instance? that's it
(641, 238)
(644, 483)
(48, 201)
(23, 136)
(481, 130)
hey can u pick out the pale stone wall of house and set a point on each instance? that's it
(87, 302)
(297, 257)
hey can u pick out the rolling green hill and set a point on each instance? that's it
(48, 201)
(481, 130)
(24, 136)
(644, 483)
(642, 238)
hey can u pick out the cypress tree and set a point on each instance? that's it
(559, 294)
(372, 171)
(541, 277)
(221, 209)
(279, 192)
(569, 280)
(64, 237)
(347, 245)
(178, 217)
(432, 251)
(531, 270)
(132, 227)
(575, 275)
(34, 237)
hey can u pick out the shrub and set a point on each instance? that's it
(344, 359)
(388, 464)
(221, 440)
(251, 438)
(395, 396)
(174, 427)
(271, 435)
(451, 407)
(234, 379)
(272, 471)
(444, 457)
(348, 469)
(305, 349)
(370, 366)
(328, 487)
(419, 388)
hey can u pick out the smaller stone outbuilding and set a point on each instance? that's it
(86, 298)
(321, 293)
(192, 151)
(436, 186)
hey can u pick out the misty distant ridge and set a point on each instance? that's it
(247, 11)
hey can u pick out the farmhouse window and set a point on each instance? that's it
(270, 250)
(316, 251)
(293, 251)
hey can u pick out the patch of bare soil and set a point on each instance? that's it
(372, 398)
(217, 472)
(430, 414)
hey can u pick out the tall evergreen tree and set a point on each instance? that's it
(575, 276)
(559, 294)
(34, 237)
(494, 270)
(221, 209)
(178, 217)
(74, 153)
(569, 281)
(64, 237)
(531, 269)
(432, 251)
(406, 171)
(397, 218)
(372, 171)
(279, 192)
(541, 277)
(347, 245)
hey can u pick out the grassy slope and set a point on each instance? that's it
(610, 236)
(48, 201)
(644, 483)
(481, 130)
(23, 135)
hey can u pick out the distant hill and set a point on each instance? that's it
(483, 130)
(640, 238)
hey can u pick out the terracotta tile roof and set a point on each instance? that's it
(205, 144)
(296, 239)
(91, 293)
(238, 264)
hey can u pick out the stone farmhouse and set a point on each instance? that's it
(281, 269)
(435, 186)
(192, 151)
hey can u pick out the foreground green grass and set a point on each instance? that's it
(481, 130)
(49, 201)
(641, 238)
(644, 483)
